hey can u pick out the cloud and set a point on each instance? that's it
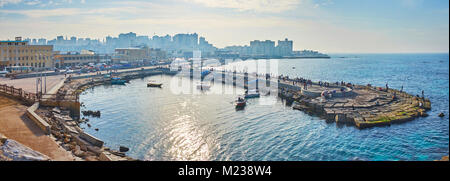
(5, 2)
(33, 2)
(267, 6)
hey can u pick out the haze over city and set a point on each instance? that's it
(347, 26)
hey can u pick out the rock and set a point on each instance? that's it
(96, 129)
(91, 158)
(77, 148)
(105, 156)
(66, 146)
(66, 140)
(123, 149)
(78, 153)
(91, 113)
(2, 139)
(118, 153)
(73, 143)
(94, 149)
(17, 152)
(423, 114)
(71, 147)
(83, 147)
(441, 114)
(56, 110)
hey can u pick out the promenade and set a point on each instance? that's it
(14, 124)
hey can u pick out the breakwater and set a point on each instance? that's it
(358, 105)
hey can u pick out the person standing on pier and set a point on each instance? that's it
(423, 95)
(387, 87)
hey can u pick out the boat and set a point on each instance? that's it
(154, 84)
(252, 94)
(118, 81)
(203, 86)
(240, 103)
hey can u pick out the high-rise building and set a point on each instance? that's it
(284, 48)
(262, 48)
(185, 41)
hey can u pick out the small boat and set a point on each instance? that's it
(117, 81)
(252, 94)
(240, 103)
(154, 84)
(203, 86)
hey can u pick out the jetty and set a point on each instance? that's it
(363, 106)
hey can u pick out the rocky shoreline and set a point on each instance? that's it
(66, 130)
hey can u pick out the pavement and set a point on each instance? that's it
(15, 125)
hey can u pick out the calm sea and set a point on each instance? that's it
(159, 124)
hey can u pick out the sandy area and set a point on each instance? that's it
(15, 125)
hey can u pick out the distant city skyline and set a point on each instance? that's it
(345, 26)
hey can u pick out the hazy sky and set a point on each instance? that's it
(330, 26)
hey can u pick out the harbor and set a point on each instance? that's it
(361, 106)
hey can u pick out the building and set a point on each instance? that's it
(185, 41)
(71, 59)
(157, 54)
(262, 48)
(284, 48)
(20, 53)
(131, 55)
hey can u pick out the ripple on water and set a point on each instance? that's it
(159, 125)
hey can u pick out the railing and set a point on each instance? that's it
(18, 92)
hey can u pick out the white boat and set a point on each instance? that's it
(252, 94)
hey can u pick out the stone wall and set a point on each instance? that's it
(37, 119)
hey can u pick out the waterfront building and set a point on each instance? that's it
(71, 59)
(157, 54)
(132, 55)
(262, 48)
(21, 53)
(284, 48)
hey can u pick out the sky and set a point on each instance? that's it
(329, 26)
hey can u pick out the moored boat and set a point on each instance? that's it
(154, 84)
(251, 94)
(117, 81)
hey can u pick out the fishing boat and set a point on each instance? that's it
(203, 86)
(154, 84)
(240, 103)
(118, 81)
(252, 94)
